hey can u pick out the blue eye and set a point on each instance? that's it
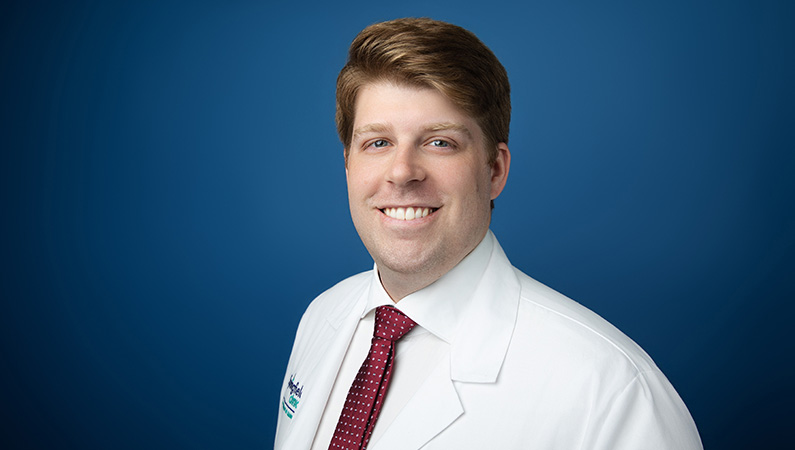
(379, 143)
(440, 143)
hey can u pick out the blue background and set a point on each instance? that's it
(173, 197)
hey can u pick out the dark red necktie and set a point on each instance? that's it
(367, 392)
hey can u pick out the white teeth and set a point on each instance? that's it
(408, 213)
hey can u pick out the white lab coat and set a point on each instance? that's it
(535, 370)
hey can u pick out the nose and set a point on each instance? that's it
(406, 166)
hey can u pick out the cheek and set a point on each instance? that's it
(361, 182)
(472, 183)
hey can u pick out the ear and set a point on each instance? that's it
(499, 170)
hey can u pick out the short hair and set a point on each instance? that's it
(428, 53)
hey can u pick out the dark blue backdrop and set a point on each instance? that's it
(173, 197)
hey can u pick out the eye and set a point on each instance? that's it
(379, 143)
(440, 143)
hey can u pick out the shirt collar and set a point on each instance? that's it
(439, 306)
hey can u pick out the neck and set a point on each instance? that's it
(399, 285)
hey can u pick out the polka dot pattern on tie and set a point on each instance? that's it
(366, 395)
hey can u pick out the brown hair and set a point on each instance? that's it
(428, 53)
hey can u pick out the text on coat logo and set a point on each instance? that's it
(293, 390)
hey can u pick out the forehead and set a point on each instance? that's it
(384, 102)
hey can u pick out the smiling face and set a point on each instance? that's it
(419, 184)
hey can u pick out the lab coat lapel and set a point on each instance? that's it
(487, 327)
(316, 368)
(476, 356)
(432, 409)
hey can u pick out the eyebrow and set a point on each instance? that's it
(442, 126)
(371, 128)
(449, 126)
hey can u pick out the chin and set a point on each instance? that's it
(400, 260)
(413, 263)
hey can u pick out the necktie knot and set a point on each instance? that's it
(391, 324)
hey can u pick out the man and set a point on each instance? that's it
(485, 357)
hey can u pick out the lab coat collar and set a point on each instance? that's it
(486, 328)
(472, 307)
(486, 306)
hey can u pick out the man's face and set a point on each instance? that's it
(419, 184)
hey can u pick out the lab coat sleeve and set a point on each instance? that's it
(647, 414)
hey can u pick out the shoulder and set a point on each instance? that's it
(328, 311)
(337, 299)
(344, 288)
(574, 333)
(339, 296)
(629, 403)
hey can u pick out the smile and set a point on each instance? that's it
(409, 213)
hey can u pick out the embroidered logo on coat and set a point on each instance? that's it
(291, 397)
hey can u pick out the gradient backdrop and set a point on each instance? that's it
(173, 197)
